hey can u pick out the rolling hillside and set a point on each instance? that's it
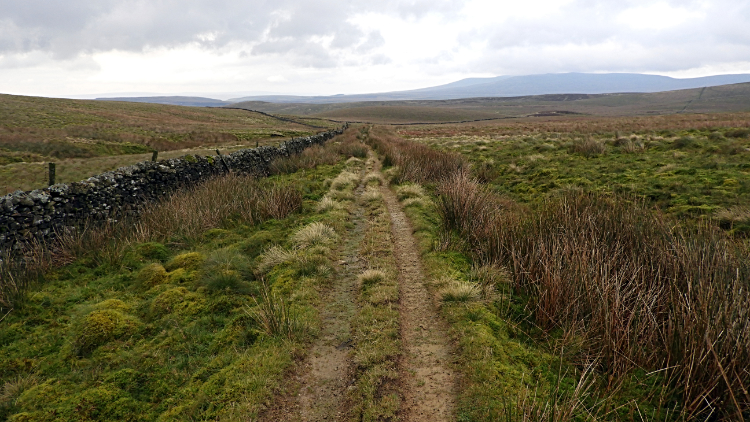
(726, 98)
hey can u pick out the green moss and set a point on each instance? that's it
(152, 275)
(102, 326)
(115, 304)
(190, 158)
(153, 250)
(177, 300)
(188, 261)
(180, 276)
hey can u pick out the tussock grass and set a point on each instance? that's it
(314, 234)
(371, 195)
(327, 204)
(274, 256)
(588, 147)
(346, 180)
(489, 279)
(409, 190)
(373, 179)
(458, 291)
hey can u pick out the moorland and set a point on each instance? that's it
(563, 266)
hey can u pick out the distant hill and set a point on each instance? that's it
(514, 86)
(724, 98)
(172, 100)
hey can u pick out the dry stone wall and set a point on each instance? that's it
(39, 214)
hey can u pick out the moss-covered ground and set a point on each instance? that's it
(174, 331)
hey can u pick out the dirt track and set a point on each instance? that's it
(428, 379)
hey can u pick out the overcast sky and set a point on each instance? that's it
(73, 47)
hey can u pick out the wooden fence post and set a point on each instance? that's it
(51, 174)
(154, 155)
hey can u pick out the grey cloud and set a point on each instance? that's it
(576, 39)
(73, 27)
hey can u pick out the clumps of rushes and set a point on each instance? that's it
(314, 234)
(345, 180)
(276, 318)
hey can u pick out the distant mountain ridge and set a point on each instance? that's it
(500, 86)
(519, 86)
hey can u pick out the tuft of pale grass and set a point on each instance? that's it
(314, 234)
(588, 147)
(734, 214)
(274, 256)
(372, 194)
(371, 277)
(345, 180)
(489, 278)
(327, 204)
(415, 202)
(341, 195)
(458, 291)
(375, 179)
(353, 162)
(409, 191)
(13, 388)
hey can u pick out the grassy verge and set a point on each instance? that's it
(375, 328)
(197, 312)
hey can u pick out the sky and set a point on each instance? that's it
(68, 48)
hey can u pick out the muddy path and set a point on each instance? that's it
(428, 380)
(319, 386)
